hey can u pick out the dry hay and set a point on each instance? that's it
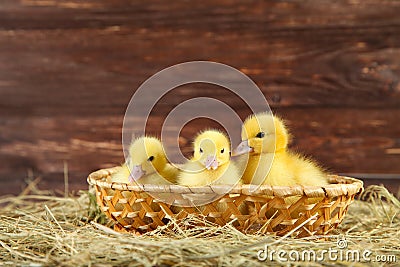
(40, 229)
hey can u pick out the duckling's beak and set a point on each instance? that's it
(136, 173)
(242, 148)
(211, 163)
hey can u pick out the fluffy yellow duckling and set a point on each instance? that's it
(264, 141)
(211, 162)
(147, 164)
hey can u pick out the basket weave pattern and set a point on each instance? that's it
(265, 209)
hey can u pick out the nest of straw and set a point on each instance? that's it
(40, 229)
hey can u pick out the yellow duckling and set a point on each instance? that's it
(211, 162)
(264, 141)
(147, 164)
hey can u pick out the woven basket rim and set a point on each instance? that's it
(340, 185)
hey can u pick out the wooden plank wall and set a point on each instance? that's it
(69, 68)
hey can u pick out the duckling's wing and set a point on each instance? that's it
(155, 178)
(170, 173)
(308, 172)
(192, 174)
(230, 176)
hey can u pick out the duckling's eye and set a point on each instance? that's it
(260, 135)
(223, 150)
(201, 150)
(150, 158)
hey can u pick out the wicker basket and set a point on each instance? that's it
(270, 209)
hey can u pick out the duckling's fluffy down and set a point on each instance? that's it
(270, 161)
(208, 144)
(148, 153)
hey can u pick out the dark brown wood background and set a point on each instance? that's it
(69, 68)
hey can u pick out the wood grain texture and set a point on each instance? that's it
(69, 68)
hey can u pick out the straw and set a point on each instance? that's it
(75, 233)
